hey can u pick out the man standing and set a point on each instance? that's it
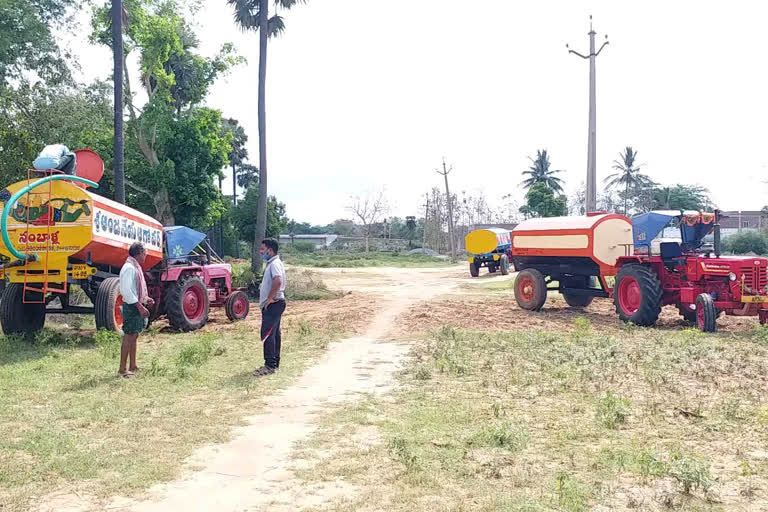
(136, 300)
(272, 303)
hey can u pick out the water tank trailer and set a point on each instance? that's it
(576, 256)
(489, 247)
(56, 233)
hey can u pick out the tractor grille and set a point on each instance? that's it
(755, 278)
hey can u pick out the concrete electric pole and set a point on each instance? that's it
(591, 196)
(445, 172)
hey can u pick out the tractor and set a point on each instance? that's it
(683, 271)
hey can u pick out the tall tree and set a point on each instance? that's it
(238, 154)
(254, 15)
(681, 197)
(540, 172)
(176, 147)
(542, 202)
(628, 175)
(369, 210)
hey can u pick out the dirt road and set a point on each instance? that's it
(253, 470)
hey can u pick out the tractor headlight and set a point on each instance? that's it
(732, 276)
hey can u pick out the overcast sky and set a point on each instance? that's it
(367, 93)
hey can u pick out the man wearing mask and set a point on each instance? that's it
(272, 303)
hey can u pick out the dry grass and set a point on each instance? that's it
(70, 423)
(633, 419)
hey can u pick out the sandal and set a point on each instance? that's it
(126, 375)
(264, 370)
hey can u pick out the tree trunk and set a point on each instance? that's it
(626, 196)
(261, 208)
(234, 204)
(117, 56)
(163, 208)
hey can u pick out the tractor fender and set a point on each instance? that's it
(175, 273)
(625, 260)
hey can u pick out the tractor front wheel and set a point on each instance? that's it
(187, 303)
(474, 270)
(706, 314)
(237, 306)
(18, 317)
(530, 289)
(637, 295)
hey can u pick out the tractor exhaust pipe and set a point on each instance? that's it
(718, 245)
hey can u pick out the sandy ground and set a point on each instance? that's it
(254, 471)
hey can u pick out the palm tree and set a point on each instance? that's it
(628, 174)
(540, 172)
(254, 15)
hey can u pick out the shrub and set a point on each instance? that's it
(691, 472)
(302, 247)
(196, 353)
(507, 435)
(108, 343)
(748, 241)
(612, 410)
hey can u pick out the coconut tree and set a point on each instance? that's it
(254, 15)
(628, 174)
(540, 172)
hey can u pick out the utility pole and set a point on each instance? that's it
(426, 216)
(234, 205)
(591, 196)
(117, 54)
(445, 172)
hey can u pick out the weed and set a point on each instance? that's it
(507, 435)
(108, 343)
(732, 410)
(571, 493)
(498, 409)
(612, 410)
(195, 354)
(690, 471)
(305, 328)
(583, 328)
(422, 373)
(400, 448)
(650, 465)
(156, 368)
(760, 334)
(50, 338)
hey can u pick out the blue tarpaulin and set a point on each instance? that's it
(647, 226)
(181, 240)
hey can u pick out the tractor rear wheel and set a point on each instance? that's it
(474, 270)
(637, 295)
(504, 264)
(108, 304)
(530, 289)
(706, 314)
(578, 301)
(187, 303)
(18, 317)
(237, 306)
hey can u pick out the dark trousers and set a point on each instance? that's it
(270, 333)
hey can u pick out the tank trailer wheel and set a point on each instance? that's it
(530, 289)
(637, 295)
(504, 264)
(492, 268)
(474, 271)
(187, 303)
(237, 306)
(108, 304)
(578, 301)
(17, 317)
(706, 314)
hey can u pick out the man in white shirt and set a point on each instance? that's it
(272, 303)
(136, 300)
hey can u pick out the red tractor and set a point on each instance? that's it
(680, 271)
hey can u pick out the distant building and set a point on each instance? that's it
(743, 220)
(319, 241)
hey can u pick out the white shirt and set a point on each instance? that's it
(129, 288)
(274, 270)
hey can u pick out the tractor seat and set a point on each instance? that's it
(671, 253)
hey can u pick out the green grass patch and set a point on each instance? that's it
(70, 421)
(349, 259)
